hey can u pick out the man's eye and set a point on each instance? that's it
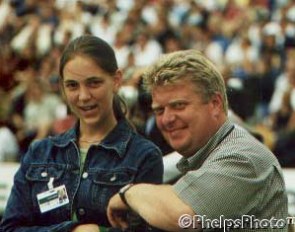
(158, 111)
(179, 105)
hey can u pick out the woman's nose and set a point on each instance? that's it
(84, 93)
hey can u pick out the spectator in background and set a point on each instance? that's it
(121, 49)
(8, 144)
(100, 154)
(146, 50)
(282, 117)
(40, 110)
(282, 103)
(34, 109)
(225, 170)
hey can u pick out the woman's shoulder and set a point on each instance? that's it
(38, 143)
(125, 132)
(44, 146)
(142, 144)
(37, 151)
(140, 139)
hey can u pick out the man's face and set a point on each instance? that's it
(186, 121)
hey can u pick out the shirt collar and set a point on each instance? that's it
(195, 161)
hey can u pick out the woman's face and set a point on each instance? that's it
(89, 91)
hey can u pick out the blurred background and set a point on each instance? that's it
(251, 42)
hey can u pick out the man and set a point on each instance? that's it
(227, 174)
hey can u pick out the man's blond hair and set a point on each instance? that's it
(189, 65)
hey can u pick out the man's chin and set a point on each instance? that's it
(184, 151)
(177, 148)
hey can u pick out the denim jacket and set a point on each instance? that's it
(122, 157)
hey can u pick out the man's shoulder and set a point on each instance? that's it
(241, 144)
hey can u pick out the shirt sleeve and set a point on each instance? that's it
(226, 186)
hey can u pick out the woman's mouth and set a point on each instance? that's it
(87, 108)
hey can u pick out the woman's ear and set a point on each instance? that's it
(118, 80)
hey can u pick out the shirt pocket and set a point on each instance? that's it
(106, 183)
(38, 176)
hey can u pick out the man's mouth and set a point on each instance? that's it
(175, 131)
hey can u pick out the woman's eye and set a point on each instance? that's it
(94, 83)
(71, 85)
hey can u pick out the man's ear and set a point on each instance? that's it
(118, 80)
(217, 104)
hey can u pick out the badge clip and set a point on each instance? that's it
(50, 183)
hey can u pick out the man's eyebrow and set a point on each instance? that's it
(155, 107)
(178, 100)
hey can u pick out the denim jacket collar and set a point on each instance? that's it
(117, 139)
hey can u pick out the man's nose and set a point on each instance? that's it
(168, 117)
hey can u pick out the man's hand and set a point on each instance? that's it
(116, 212)
(86, 227)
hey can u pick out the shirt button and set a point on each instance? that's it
(81, 211)
(44, 174)
(84, 175)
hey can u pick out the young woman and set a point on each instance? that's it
(90, 162)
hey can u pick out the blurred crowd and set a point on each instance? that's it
(251, 41)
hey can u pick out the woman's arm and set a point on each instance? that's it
(19, 215)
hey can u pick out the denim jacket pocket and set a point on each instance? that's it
(38, 176)
(108, 182)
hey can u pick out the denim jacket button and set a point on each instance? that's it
(81, 211)
(113, 178)
(84, 175)
(44, 174)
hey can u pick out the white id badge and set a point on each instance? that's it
(53, 198)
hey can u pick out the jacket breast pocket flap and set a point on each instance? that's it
(119, 177)
(43, 172)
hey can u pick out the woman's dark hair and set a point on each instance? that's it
(102, 54)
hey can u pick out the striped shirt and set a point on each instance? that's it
(231, 176)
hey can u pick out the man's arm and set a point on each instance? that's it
(86, 227)
(158, 205)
